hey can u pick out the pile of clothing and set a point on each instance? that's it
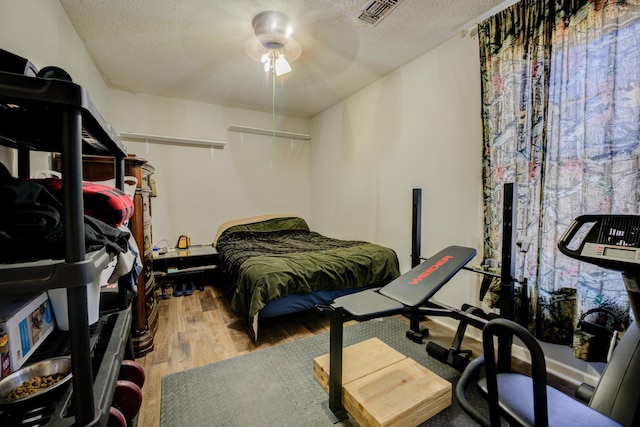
(31, 225)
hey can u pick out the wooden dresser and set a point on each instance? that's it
(144, 308)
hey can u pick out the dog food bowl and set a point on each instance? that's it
(44, 396)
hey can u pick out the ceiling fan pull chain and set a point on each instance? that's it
(273, 116)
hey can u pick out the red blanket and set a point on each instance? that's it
(108, 204)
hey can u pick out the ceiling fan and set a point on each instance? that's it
(278, 48)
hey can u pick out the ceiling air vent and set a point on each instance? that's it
(375, 10)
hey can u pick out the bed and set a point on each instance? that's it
(275, 265)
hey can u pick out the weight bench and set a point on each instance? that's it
(411, 291)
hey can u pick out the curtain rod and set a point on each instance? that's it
(470, 26)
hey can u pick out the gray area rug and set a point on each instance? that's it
(276, 387)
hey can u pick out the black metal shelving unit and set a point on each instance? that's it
(50, 115)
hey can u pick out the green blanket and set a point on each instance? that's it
(271, 259)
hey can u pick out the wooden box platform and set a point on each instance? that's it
(381, 387)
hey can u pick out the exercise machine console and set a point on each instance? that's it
(613, 242)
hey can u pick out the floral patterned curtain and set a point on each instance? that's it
(561, 117)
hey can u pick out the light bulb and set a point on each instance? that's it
(282, 66)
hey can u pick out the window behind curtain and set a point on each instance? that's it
(561, 114)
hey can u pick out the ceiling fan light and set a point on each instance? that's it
(265, 58)
(282, 66)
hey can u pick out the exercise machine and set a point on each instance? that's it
(411, 290)
(411, 293)
(468, 315)
(608, 241)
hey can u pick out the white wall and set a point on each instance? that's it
(419, 127)
(197, 189)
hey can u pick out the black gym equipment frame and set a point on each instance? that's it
(454, 355)
(393, 299)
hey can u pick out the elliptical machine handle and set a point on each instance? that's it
(570, 233)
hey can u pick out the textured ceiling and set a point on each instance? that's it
(196, 49)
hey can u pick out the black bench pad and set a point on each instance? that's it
(412, 289)
(368, 304)
(418, 285)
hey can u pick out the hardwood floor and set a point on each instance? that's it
(201, 329)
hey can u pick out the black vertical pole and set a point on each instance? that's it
(73, 217)
(507, 273)
(23, 163)
(335, 409)
(414, 333)
(118, 169)
(416, 227)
